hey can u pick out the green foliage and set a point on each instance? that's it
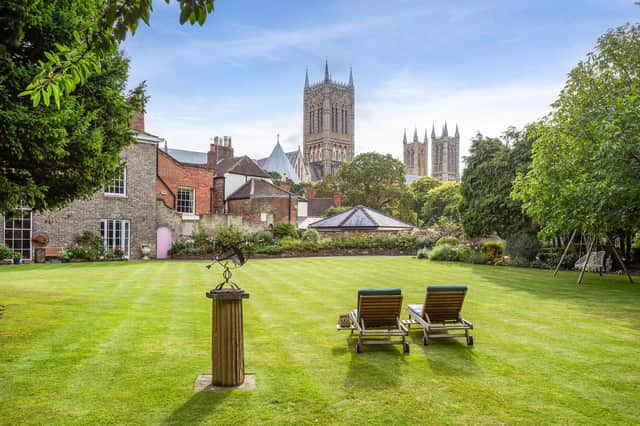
(441, 201)
(285, 229)
(332, 211)
(71, 61)
(326, 187)
(55, 155)
(486, 205)
(311, 235)
(493, 250)
(523, 245)
(373, 180)
(5, 252)
(448, 227)
(423, 253)
(64, 254)
(585, 172)
(276, 178)
(444, 252)
(418, 190)
(520, 262)
(227, 236)
(262, 237)
(452, 241)
(202, 242)
(88, 246)
(269, 249)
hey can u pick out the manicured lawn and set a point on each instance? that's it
(124, 342)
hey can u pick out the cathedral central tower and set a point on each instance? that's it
(328, 124)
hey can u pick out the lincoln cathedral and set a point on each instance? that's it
(328, 124)
(445, 155)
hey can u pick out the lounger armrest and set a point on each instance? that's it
(467, 323)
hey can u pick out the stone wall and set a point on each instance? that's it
(137, 206)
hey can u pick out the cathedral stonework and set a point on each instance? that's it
(416, 154)
(445, 155)
(328, 123)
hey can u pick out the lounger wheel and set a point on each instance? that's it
(358, 348)
(405, 348)
(470, 340)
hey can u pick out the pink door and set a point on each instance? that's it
(163, 242)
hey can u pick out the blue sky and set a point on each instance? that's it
(483, 64)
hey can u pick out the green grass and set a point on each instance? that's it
(123, 343)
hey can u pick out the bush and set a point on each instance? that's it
(477, 258)
(493, 250)
(183, 246)
(452, 241)
(227, 237)
(285, 229)
(523, 245)
(311, 235)
(5, 252)
(443, 252)
(518, 261)
(332, 211)
(270, 249)
(423, 253)
(263, 237)
(87, 245)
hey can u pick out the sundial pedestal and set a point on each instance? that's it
(227, 336)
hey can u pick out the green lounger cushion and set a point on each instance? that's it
(436, 288)
(379, 291)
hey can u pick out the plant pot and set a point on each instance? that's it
(16, 261)
(64, 260)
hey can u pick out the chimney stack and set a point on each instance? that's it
(311, 192)
(337, 199)
(137, 121)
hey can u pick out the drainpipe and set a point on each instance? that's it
(289, 208)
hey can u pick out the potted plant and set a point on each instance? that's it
(64, 256)
(17, 257)
(118, 252)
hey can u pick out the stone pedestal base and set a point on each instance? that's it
(203, 383)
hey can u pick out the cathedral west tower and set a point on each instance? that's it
(445, 155)
(328, 125)
(416, 154)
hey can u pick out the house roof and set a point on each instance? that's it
(279, 162)
(191, 157)
(259, 188)
(293, 155)
(240, 166)
(361, 218)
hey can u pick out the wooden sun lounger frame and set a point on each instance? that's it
(431, 329)
(383, 326)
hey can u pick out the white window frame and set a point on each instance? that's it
(125, 237)
(108, 190)
(193, 200)
(6, 227)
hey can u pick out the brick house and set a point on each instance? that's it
(260, 200)
(124, 213)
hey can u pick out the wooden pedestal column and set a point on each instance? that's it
(227, 340)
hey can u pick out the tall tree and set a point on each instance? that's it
(49, 156)
(585, 172)
(442, 201)
(491, 168)
(374, 180)
(418, 190)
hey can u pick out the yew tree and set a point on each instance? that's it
(585, 172)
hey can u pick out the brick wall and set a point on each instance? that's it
(138, 206)
(250, 209)
(175, 174)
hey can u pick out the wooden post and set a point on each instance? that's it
(227, 337)
(566, 249)
(586, 262)
(624, 267)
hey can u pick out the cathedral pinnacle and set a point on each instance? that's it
(433, 131)
(350, 77)
(306, 78)
(445, 132)
(327, 77)
(415, 135)
(404, 138)
(425, 136)
(457, 135)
